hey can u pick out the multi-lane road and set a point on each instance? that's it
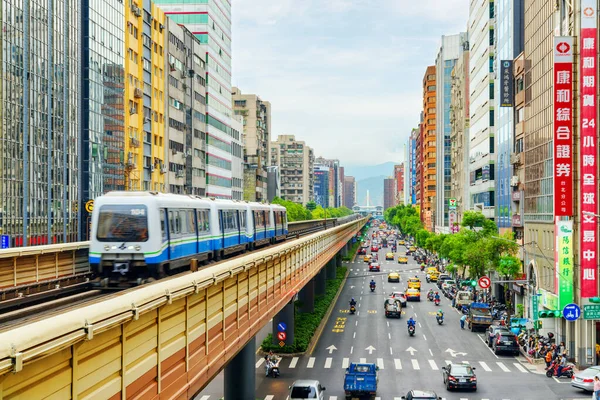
(404, 362)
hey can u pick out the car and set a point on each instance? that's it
(421, 395)
(414, 283)
(413, 294)
(402, 260)
(459, 376)
(367, 258)
(432, 277)
(393, 277)
(585, 379)
(401, 296)
(408, 253)
(448, 283)
(491, 333)
(431, 270)
(401, 242)
(374, 249)
(412, 248)
(362, 251)
(505, 341)
(389, 256)
(441, 279)
(306, 389)
(374, 267)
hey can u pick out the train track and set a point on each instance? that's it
(20, 304)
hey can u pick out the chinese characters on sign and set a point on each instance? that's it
(563, 138)
(587, 148)
(506, 83)
(564, 250)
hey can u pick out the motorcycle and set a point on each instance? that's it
(430, 296)
(372, 288)
(411, 330)
(273, 368)
(436, 302)
(439, 319)
(422, 268)
(352, 309)
(567, 371)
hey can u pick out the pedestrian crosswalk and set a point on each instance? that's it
(273, 397)
(507, 366)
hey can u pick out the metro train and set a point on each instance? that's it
(138, 236)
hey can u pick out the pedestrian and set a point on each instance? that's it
(462, 321)
(597, 387)
(548, 359)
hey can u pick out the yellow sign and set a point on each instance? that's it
(372, 311)
(89, 206)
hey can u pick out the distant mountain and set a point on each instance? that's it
(361, 172)
(374, 185)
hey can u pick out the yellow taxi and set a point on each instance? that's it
(401, 242)
(432, 276)
(393, 277)
(414, 283)
(432, 270)
(367, 258)
(413, 295)
(389, 256)
(402, 260)
(413, 248)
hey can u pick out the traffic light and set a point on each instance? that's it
(594, 300)
(468, 283)
(550, 314)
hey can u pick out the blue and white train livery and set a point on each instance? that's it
(148, 234)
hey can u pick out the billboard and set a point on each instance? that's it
(507, 84)
(563, 135)
(588, 140)
(564, 249)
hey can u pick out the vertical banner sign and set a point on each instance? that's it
(587, 149)
(563, 138)
(565, 262)
(506, 83)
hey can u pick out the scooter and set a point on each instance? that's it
(567, 371)
(372, 288)
(273, 368)
(430, 296)
(436, 302)
(439, 319)
(411, 330)
(352, 309)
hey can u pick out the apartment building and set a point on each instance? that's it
(399, 184)
(185, 166)
(428, 147)
(389, 193)
(349, 191)
(517, 194)
(296, 167)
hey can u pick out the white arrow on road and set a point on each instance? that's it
(455, 353)
(370, 349)
(331, 348)
(351, 287)
(411, 350)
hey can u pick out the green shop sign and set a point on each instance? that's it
(564, 250)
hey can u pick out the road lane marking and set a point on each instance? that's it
(269, 397)
(415, 313)
(345, 362)
(488, 347)
(356, 324)
(388, 323)
(351, 349)
(259, 362)
(415, 364)
(389, 336)
(520, 368)
(328, 362)
(293, 362)
(332, 397)
(391, 352)
(433, 365)
(362, 360)
(311, 362)
(430, 353)
(358, 305)
(360, 298)
(419, 324)
(380, 363)
(424, 337)
(354, 335)
(503, 367)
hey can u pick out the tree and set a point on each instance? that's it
(311, 205)
(509, 266)
(475, 219)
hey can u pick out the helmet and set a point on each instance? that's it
(440, 310)
(436, 292)
(353, 299)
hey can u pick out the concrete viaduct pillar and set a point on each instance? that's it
(321, 282)
(330, 267)
(307, 297)
(285, 316)
(240, 374)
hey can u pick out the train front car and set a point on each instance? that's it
(280, 223)
(125, 227)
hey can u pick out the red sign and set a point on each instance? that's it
(587, 149)
(281, 335)
(484, 282)
(563, 126)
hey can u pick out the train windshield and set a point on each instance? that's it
(123, 223)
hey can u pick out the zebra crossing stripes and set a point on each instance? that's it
(311, 362)
(485, 366)
(380, 363)
(294, 362)
(397, 363)
(520, 367)
(433, 365)
(328, 362)
(345, 363)
(415, 364)
(503, 367)
(273, 397)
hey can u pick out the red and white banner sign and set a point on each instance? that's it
(563, 126)
(587, 148)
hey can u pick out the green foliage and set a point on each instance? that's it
(321, 213)
(295, 211)
(474, 220)
(352, 251)
(421, 237)
(311, 205)
(509, 265)
(520, 310)
(404, 217)
(307, 323)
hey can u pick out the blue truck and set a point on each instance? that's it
(361, 381)
(480, 316)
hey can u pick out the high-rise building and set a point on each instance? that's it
(481, 110)
(459, 135)
(296, 165)
(412, 163)
(321, 185)
(210, 21)
(341, 180)
(349, 191)
(273, 182)
(257, 133)
(399, 184)
(450, 50)
(334, 189)
(237, 158)
(516, 158)
(509, 43)
(40, 163)
(389, 193)
(185, 166)
(428, 147)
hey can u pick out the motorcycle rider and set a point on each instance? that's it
(430, 293)
(270, 361)
(562, 364)
(372, 283)
(440, 313)
(411, 322)
(436, 297)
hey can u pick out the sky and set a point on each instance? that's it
(345, 76)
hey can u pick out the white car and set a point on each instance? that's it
(306, 389)
(448, 283)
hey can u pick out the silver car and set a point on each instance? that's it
(306, 389)
(585, 379)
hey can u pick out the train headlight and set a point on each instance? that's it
(106, 248)
(138, 247)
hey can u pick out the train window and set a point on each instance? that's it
(203, 222)
(177, 222)
(171, 222)
(243, 220)
(206, 221)
(123, 223)
(163, 228)
(191, 221)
